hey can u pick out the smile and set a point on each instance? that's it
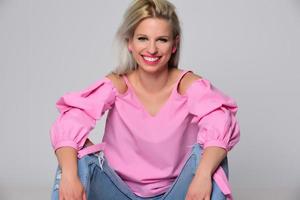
(151, 60)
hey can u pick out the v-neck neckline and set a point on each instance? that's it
(166, 102)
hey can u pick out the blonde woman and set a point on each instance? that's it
(168, 130)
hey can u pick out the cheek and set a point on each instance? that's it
(136, 51)
(136, 56)
(167, 49)
(138, 46)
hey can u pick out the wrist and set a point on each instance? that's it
(69, 171)
(70, 175)
(204, 173)
(203, 176)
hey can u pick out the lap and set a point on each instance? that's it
(102, 182)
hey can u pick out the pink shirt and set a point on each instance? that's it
(148, 152)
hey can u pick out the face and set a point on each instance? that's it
(152, 44)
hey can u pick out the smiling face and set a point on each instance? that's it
(152, 44)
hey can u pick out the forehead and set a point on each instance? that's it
(154, 27)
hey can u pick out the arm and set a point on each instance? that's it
(201, 185)
(79, 112)
(215, 115)
(70, 185)
(67, 159)
(217, 135)
(211, 159)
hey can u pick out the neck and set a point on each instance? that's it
(152, 82)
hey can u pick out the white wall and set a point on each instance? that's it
(249, 49)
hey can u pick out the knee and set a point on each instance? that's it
(197, 149)
(196, 152)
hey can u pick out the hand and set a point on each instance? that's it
(200, 188)
(71, 189)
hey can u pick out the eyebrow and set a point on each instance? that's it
(163, 36)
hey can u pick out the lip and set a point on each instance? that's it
(151, 56)
(151, 62)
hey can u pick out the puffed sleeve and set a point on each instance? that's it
(215, 114)
(79, 111)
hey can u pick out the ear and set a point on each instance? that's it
(174, 49)
(176, 42)
(129, 45)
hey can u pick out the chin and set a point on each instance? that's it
(152, 68)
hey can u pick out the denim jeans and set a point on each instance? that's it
(101, 182)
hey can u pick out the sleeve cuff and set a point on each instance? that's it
(216, 143)
(66, 144)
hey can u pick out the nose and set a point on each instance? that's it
(152, 48)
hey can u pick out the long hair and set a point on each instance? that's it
(135, 13)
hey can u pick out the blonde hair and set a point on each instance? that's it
(135, 13)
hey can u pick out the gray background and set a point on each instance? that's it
(248, 49)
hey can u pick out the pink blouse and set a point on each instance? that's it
(148, 152)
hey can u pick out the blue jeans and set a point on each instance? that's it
(101, 182)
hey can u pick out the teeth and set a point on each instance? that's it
(150, 59)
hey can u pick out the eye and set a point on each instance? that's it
(163, 40)
(142, 38)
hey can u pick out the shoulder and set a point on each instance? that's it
(186, 81)
(118, 82)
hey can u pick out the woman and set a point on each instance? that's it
(167, 131)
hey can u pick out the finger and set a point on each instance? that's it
(84, 196)
(187, 198)
(207, 198)
(60, 196)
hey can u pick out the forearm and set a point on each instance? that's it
(67, 159)
(211, 159)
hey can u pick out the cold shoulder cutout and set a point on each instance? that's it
(118, 82)
(187, 80)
